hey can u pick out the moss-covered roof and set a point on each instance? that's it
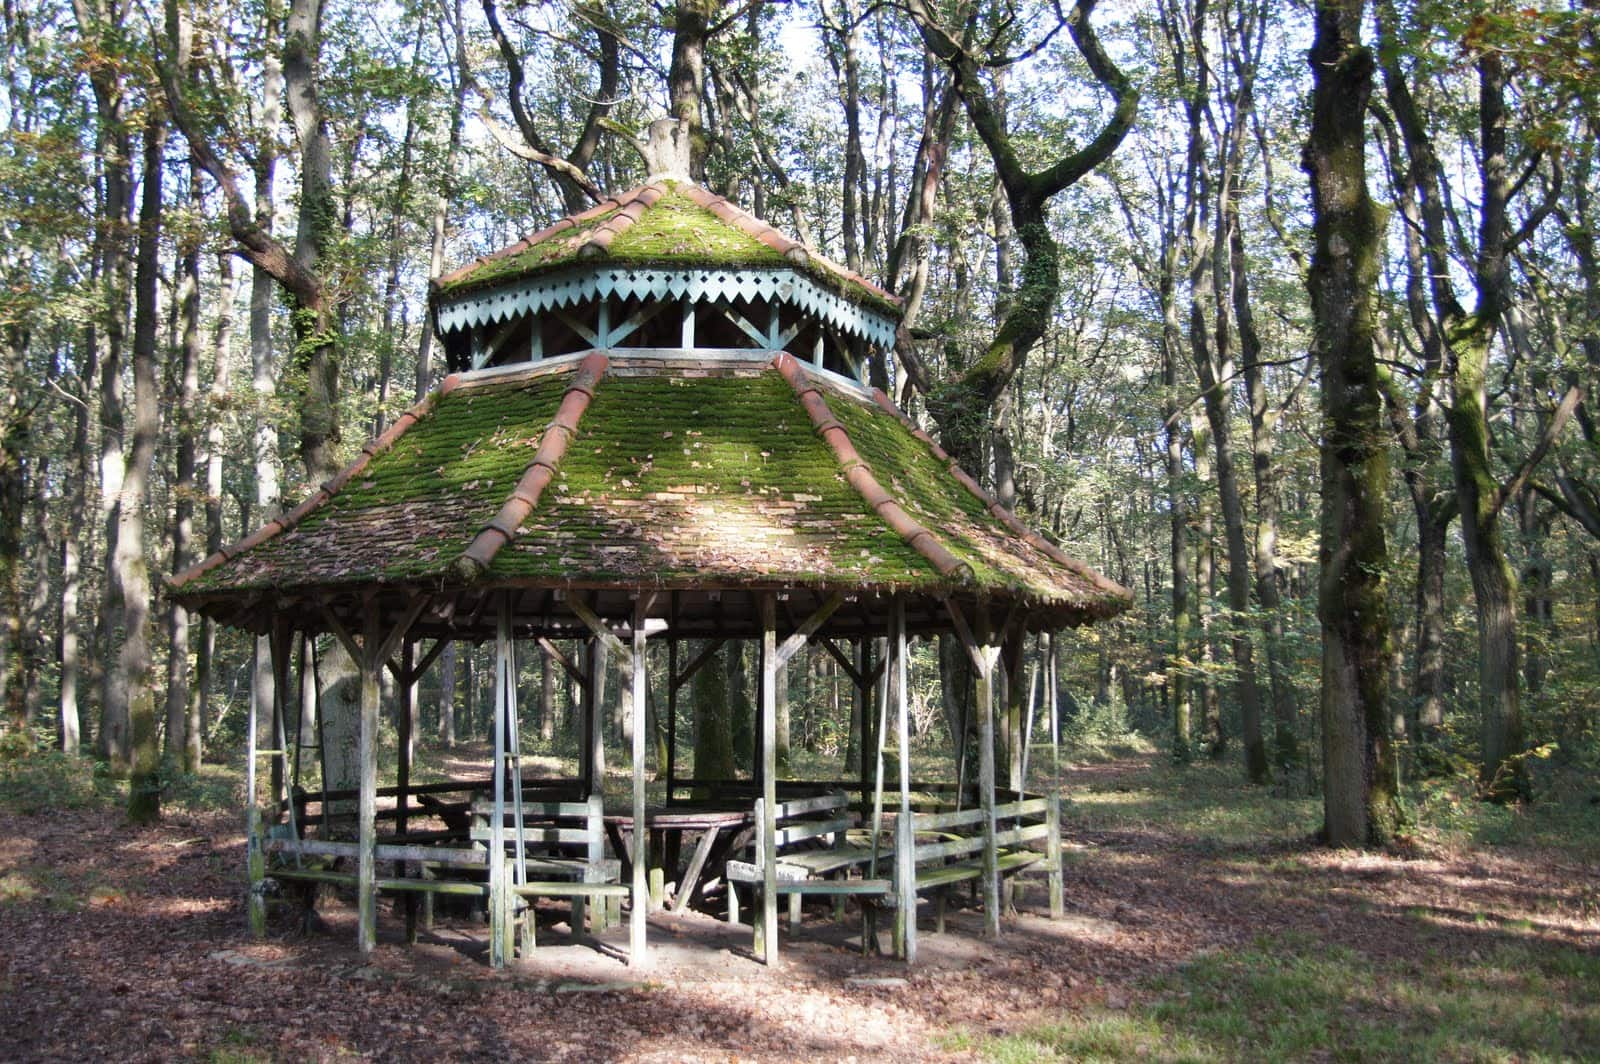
(698, 475)
(667, 224)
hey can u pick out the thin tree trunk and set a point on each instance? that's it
(130, 690)
(182, 748)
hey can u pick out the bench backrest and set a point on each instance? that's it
(962, 830)
(800, 819)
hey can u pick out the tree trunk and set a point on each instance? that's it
(1359, 762)
(447, 696)
(1502, 773)
(713, 726)
(129, 691)
(221, 386)
(182, 748)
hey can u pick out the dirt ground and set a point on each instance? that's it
(130, 944)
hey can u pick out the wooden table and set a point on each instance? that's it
(720, 830)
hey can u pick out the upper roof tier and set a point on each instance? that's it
(663, 239)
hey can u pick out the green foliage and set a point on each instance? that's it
(37, 778)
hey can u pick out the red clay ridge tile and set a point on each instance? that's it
(859, 474)
(288, 521)
(1010, 520)
(541, 471)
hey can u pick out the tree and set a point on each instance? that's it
(1361, 777)
(1466, 339)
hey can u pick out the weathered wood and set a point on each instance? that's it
(790, 646)
(697, 864)
(432, 886)
(1052, 856)
(598, 627)
(499, 906)
(800, 806)
(572, 671)
(537, 835)
(367, 803)
(983, 658)
(255, 865)
(769, 775)
(551, 810)
(571, 888)
(699, 660)
(641, 846)
(906, 916)
(403, 734)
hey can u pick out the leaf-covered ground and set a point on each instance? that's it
(1200, 926)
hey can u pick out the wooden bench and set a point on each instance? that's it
(310, 863)
(936, 851)
(813, 855)
(563, 855)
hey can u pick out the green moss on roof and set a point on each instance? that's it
(714, 477)
(908, 469)
(416, 506)
(678, 230)
(674, 231)
(553, 251)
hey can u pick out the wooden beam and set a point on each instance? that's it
(425, 662)
(342, 633)
(573, 672)
(384, 649)
(985, 699)
(406, 740)
(809, 627)
(592, 621)
(844, 662)
(700, 659)
(905, 856)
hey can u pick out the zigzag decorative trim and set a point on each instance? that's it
(539, 294)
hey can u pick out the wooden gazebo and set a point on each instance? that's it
(656, 428)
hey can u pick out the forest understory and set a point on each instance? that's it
(1203, 923)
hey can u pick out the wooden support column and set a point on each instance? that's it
(991, 857)
(405, 690)
(905, 872)
(500, 930)
(769, 780)
(985, 657)
(641, 893)
(367, 804)
(278, 641)
(370, 656)
(255, 858)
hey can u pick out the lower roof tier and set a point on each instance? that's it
(597, 472)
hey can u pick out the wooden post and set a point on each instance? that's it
(255, 860)
(1052, 854)
(991, 857)
(904, 856)
(641, 849)
(406, 739)
(278, 642)
(672, 689)
(769, 779)
(367, 805)
(688, 323)
(499, 888)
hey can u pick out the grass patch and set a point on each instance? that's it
(1209, 801)
(1294, 997)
